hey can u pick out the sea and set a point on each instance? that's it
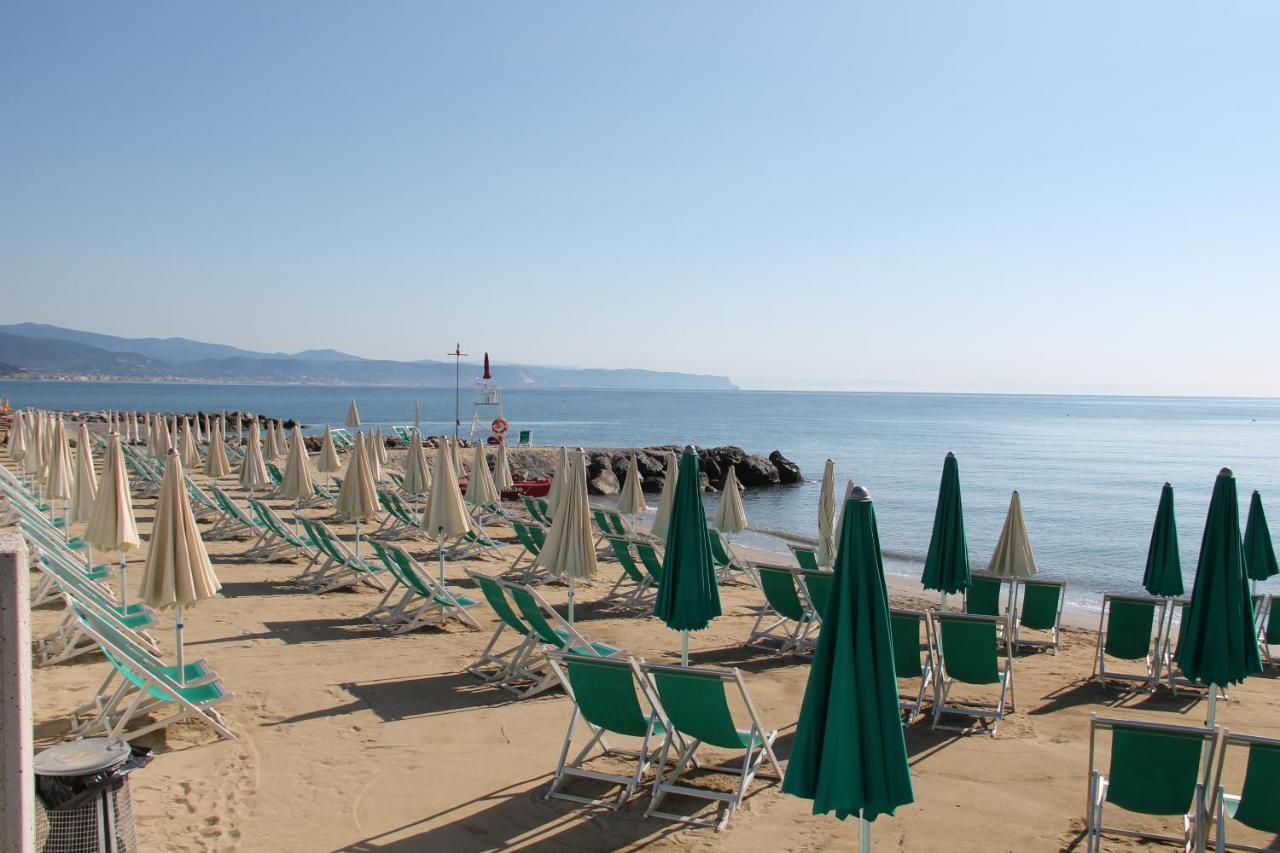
(1089, 469)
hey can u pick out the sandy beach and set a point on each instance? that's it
(350, 739)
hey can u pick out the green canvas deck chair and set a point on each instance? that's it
(276, 540)
(340, 568)
(1257, 806)
(1129, 630)
(39, 539)
(504, 665)
(1170, 671)
(424, 600)
(817, 587)
(610, 697)
(603, 528)
(1154, 770)
(404, 433)
(618, 523)
(532, 507)
(399, 522)
(531, 537)
(146, 685)
(634, 590)
(342, 439)
(1040, 609)
(695, 701)
(728, 568)
(968, 653)
(806, 557)
(650, 559)
(234, 523)
(784, 622)
(526, 438)
(912, 632)
(982, 598)
(203, 507)
(550, 627)
(1269, 630)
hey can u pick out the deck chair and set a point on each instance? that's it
(339, 569)
(696, 702)
(1257, 806)
(276, 540)
(912, 632)
(785, 621)
(234, 523)
(817, 588)
(982, 598)
(504, 666)
(1155, 770)
(649, 558)
(1129, 630)
(617, 522)
(728, 568)
(968, 653)
(611, 697)
(399, 523)
(634, 588)
(806, 557)
(1269, 630)
(550, 627)
(536, 512)
(40, 538)
(1040, 610)
(425, 600)
(1171, 672)
(530, 572)
(526, 438)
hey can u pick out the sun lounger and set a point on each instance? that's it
(982, 598)
(1269, 629)
(634, 588)
(785, 620)
(1040, 609)
(817, 586)
(968, 653)
(425, 601)
(277, 539)
(728, 567)
(806, 558)
(537, 510)
(1129, 630)
(340, 568)
(234, 523)
(1257, 806)
(399, 523)
(912, 632)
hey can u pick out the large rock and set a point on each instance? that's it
(604, 483)
(754, 471)
(788, 471)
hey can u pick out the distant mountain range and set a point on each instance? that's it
(41, 350)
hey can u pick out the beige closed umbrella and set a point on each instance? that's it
(132, 427)
(444, 516)
(631, 499)
(353, 415)
(569, 551)
(18, 438)
(166, 439)
(381, 447)
(178, 573)
(417, 477)
(253, 470)
(149, 445)
(662, 516)
(374, 459)
(297, 485)
(730, 516)
(827, 516)
(1013, 557)
(481, 490)
(328, 463)
(58, 478)
(216, 463)
(558, 477)
(111, 524)
(85, 486)
(195, 427)
(190, 451)
(282, 449)
(35, 447)
(502, 478)
(358, 497)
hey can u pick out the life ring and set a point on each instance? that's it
(499, 426)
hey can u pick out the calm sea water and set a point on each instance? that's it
(1089, 468)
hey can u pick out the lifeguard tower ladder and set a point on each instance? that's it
(486, 408)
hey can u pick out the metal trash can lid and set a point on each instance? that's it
(81, 757)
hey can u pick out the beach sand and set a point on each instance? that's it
(349, 739)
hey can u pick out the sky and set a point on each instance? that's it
(1071, 197)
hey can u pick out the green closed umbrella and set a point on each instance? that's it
(688, 598)
(1163, 576)
(1218, 646)
(1259, 552)
(850, 756)
(946, 569)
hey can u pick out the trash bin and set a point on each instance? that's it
(82, 796)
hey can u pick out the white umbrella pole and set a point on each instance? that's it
(357, 539)
(864, 833)
(66, 520)
(684, 648)
(295, 516)
(124, 582)
(943, 606)
(440, 548)
(1213, 706)
(571, 599)
(177, 630)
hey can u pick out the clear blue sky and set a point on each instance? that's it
(1007, 196)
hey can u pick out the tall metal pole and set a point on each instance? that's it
(457, 355)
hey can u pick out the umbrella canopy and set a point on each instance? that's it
(253, 470)
(502, 469)
(1013, 557)
(1217, 643)
(131, 427)
(662, 516)
(353, 415)
(328, 462)
(730, 517)
(58, 479)
(195, 427)
(111, 524)
(946, 568)
(372, 458)
(190, 453)
(1163, 575)
(558, 476)
(481, 490)
(631, 499)
(216, 464)
(358, 497)
(278, 449)
(380, 446)
(444, 513)
(688, 598)
(417, 477)
(297, 485)
(35, 458)
(569, 551)
(85, 488)
(178, 571)
(166, 438)
(1259, 551)
(849, 754)
(827, 515)
(18, 437)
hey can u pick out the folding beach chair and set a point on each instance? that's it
(633, 589)
(536, 511)
(649, 558)
(696, 703)
(1155, 770)
(806, 557)
(425, 601)
(234, 523)
(526, 438)
(728, 568)
(276, 540)
(610, 696)
(399, 522)
(1129, 630)
(785, 620)
(912, 632)
(1257, 806)
(968, 653)
(817, 588)
(505, 666)
(982, 598)
(531, 543)
(340, 568)
(1040, 609)
(1172, 673)
(1269, 629)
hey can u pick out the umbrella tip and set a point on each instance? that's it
(951, 454)
(1225, 472)
(859, 493)
(689, 448)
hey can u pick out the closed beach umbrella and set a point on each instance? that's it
(688, 598)
(167, 439)
(444, 516)
(455, 451)
(277, 440)
(631, 500)
(253, 470)
(353, 415)
(297, 485)
(1163, 574)
(417, 416)
(502, 470)
(558, 476)
(190, 452)
(195, 428)
(481, 490)
(58, 478)
(662, 516)
(1217, 645)
(827, 515)
(111, 524)
(946, 568)
(178, 573)
(85, 485)
(380, 446)
(374, 460)
(417, 477)
(1013, 557)
(569, 551)
(132, 427)
(216, 464)
(849, 754)
(149, 446)
(35, 446)
(1259, 551)
(328, 462)
(358, 497)
(730, 517)
(18, 438)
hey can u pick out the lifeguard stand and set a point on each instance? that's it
(487, 405)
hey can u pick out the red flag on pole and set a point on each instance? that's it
(487, 374)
